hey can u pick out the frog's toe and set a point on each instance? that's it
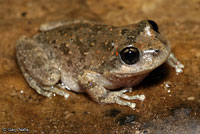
(179, 67)
(135, 97)
(175, 63)
(45, 93)
(57, 91)
(122, 99)
(126, 103)
(40, 91)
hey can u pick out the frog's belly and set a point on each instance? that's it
(69, 83)
(110, 83)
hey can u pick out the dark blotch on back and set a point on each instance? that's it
(96, 29)
(109, 64)
(53, 41)
(131, 34)
(124, 31)
(64, 48)
(80, 45)
(107, 45)
(131, 39)
(69, 62)
(64, 30)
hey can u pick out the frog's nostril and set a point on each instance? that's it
(156, 51)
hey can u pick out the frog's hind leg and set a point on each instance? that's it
(32, 83)
(37, 69)
(45, 91)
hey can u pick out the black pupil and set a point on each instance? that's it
(130, 55)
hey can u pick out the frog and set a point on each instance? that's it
(103, 61)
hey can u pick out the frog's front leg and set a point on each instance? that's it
(37, 69)
(175, 63)
(95, 87)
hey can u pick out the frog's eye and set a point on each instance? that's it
(130, 55)
(153, 25)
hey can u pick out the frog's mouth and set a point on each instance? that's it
(149, 60)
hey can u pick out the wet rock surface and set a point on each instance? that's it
(172, 104)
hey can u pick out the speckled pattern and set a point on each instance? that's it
(92, 58)
(172, 101)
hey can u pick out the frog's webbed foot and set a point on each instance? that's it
(94, 85)
(175, 63)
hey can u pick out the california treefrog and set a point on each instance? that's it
(93, 58)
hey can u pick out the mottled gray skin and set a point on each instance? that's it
(85, 57)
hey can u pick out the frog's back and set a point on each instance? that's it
(80, 46)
